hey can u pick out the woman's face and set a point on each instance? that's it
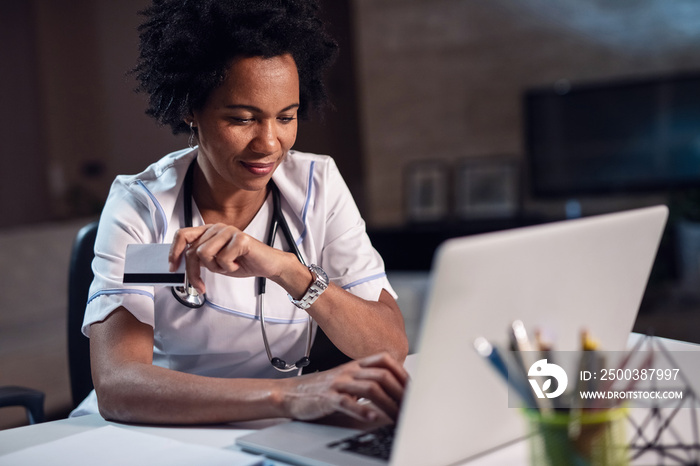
(248, 124)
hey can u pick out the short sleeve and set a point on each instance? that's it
(126, 219)
(348, 256)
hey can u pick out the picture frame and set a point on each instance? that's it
(487, 187)
(427, 191)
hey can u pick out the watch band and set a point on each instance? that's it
(317, 287)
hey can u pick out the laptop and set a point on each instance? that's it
(559, 277)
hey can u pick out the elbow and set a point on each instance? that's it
(400, 350)
(395, 346)
(109, 404)
(400, 347)
(113, 401)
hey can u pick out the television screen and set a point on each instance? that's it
(613, 137)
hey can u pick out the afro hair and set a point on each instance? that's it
(186, 47)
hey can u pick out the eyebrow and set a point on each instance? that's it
(254, 109)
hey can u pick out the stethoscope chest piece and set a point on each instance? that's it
(188, 296)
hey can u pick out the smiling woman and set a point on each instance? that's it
(245, 129)
(237, 75)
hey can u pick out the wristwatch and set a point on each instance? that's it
(317, 287)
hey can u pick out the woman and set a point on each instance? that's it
(236, 75)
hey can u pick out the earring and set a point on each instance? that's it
(191, 140)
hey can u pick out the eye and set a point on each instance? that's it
(241, 121)
(286, 119)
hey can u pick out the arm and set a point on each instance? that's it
(358, 327)
(131, 389)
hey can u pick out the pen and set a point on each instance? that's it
(491, 353)
(545, 350)
(525, 353)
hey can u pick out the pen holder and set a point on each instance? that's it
(591, 438)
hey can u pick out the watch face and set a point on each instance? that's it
(317, 287)
(321, 276)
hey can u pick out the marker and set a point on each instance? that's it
(591, 362)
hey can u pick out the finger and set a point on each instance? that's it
(194, 271)
(386, 379)
(384, 360)
(372, 391)
(201, 252)
(181, 239)
(236, 250)
(366, 412)
(211, 247)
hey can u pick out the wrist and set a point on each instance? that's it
(278, 398)
(319, 284)
(284, 397)
(294, 277)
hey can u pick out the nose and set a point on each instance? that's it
(265, 141)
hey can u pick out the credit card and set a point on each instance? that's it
(147, 264)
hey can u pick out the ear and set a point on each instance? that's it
(190, 119)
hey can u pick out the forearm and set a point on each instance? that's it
(357, 327)
(137, 392)
(131, 389)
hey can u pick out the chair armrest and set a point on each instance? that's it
(31, 400)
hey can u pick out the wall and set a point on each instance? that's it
(441, 80)
(75, 121)
(20, 119)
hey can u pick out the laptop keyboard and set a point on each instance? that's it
(374, 443)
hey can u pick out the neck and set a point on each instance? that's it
(225, 204)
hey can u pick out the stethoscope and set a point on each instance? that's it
(188, 295)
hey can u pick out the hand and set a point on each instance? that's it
(378, 378)
(223, 249)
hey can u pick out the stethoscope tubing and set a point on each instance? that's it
(188, 296)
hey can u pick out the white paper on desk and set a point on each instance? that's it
(115, 446)
(147, 264)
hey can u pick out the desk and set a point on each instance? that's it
(224, 436)
(212, 436)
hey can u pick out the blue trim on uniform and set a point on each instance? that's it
(272, 320)
(364, 280)
(120, 291)
(158, 206)
(305, 210)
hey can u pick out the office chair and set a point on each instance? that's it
(79, 278)
(31, 400)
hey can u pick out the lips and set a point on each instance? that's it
(259, 169)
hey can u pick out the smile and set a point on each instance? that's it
(259, 169)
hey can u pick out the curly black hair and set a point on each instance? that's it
(187, 46)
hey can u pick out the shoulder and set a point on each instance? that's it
(145, 201)
(297, 164)
(302, 177)
(161, 175)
